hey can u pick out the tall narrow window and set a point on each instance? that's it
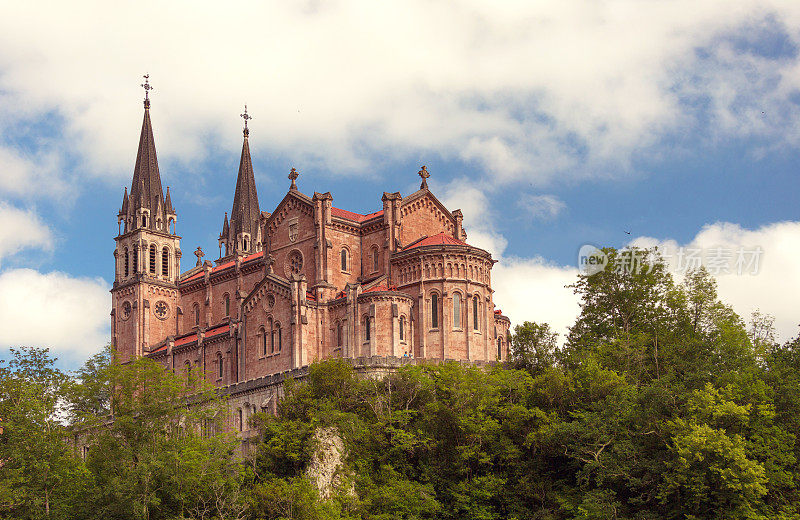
(126, 261)
(499, 349)
(165, 262)
(244, 243)
(456, 310)
(280, 339)
(241, 420)
(402, 328)
(220, 368)
(434, 311)
(475, 312)
(196, 315)
(152, 259)
(344, 259)
(271, 336)
(338, 334)
(227, 305)
(367, 331)
(144, 220)
(263, 335)
(135, 259)
(376, 263)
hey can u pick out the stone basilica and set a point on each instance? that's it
(305, 282)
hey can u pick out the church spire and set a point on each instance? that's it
(146, 192)
(245, 214)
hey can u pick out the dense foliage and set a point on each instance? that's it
(661, 404)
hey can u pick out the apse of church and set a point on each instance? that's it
(304, 282)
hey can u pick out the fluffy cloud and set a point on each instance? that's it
(523, 89)
(21, 229)
(68, 315)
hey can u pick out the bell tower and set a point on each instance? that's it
(147, 256)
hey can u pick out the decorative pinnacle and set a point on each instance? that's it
(246, 117)
(424, 174)
(293, 177)
(147, 88)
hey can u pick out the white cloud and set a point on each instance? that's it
(530, 289)
(21, 229)
(524, 89)
(542, 207)
(68, 315)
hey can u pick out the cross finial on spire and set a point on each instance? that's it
(293, 177)
(147, 88)
(246, 118)
(424, 174)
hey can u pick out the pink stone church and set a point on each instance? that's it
(305, 282)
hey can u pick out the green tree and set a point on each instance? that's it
(41, 477)
(533, 347)
(162, 452)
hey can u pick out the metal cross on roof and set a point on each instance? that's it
(424, 174)
(246, 118)
(147, 88)
(293, 176)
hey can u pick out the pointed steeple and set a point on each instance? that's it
(146, 192)
(245, 213)
(168, 204)
(124, 209)
(225, 227)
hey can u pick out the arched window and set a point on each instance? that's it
(263, 337)
(456, 310)
(434, 311)
(241, 420)
(187, 367)
(152, 259)
(344, 259)
(227, 300)
(367, 331)
(244, 243)
(271, 337)
(338, 334)
(126, 261)
(196, 315)
(402, 328)
(280, 339)
(499, 349)
(475, 321)
(165, 262)
(144, 220)
(376, 260)
(220, 367)
(135, 259)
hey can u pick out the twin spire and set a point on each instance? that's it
(146, 206)
(242, 233)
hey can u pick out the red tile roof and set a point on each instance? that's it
(498, 311)
(349, 215)
(224, 266)
(435, 240)
(217, 330)
(186, 339)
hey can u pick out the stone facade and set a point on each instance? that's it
(306, 282)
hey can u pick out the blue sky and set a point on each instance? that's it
(551, 125)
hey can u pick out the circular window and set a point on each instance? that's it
(161, 310)
(294, 264)
(126, 310)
